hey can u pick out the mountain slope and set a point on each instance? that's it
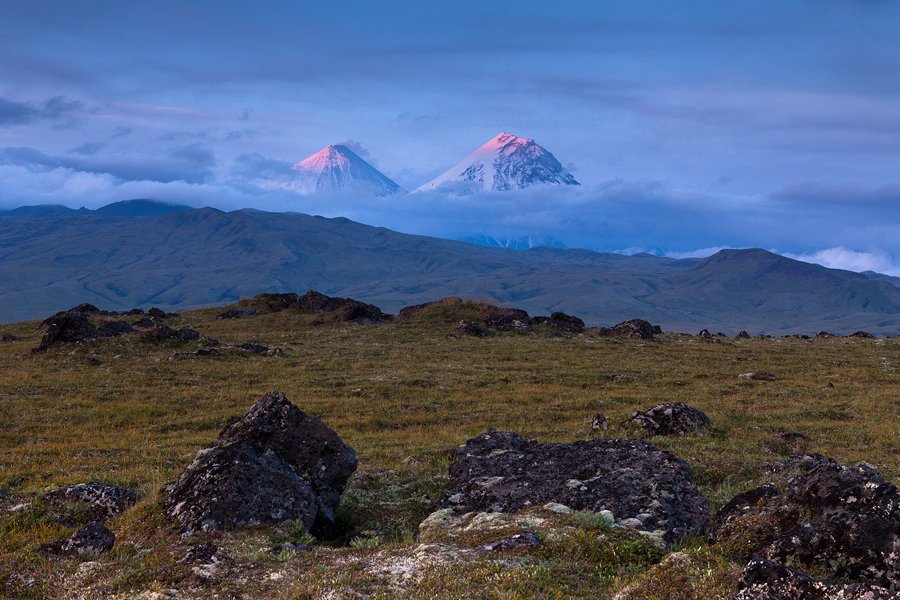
(338, 169)
(206, 256)
(505, 162)
(140, 208)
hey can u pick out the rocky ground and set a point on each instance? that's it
(455, 450)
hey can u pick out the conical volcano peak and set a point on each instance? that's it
(505, 162)
(337, 168)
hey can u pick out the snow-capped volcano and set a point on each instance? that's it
(339, 169)
(506, 162)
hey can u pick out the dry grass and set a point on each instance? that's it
(402, 394)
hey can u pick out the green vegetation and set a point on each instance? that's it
(403, 394)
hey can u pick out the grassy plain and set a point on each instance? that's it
(403, 394)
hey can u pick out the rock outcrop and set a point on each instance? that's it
(274, 464)
(633, 328)
(766, 580)
(339, 309)
(837, 519)
(72, 326)
(92, 539)
(670, 419)
(561, 322)
(503, 472)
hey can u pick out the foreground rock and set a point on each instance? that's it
(670, 419)
(275, 464)
(839, 520)
(96, 501)
(72, 326)
(766, 580)
(503, 472)
(92, 539)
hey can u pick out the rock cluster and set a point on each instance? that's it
(652, 489)
(670, 419)
(633, 328)
(341, 309)
(837, 519)
(274, 464)
(763, 579)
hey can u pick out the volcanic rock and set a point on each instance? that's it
(8, 337)
(514, 320)
(504, 472)
(766, 580)
(238, 313)
(861, 334)
(670, 419)
(114, 328)
(92, 539)
(473, 328)
(70, 326)
(275, 464)
(705, 334)
(599, 422)
(633, 328)
(743, 335)
(525, 539)
(562, 322)
(98, 501)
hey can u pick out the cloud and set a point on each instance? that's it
(53, 109)
(192, 164)
(840, 257)
(254, 166)
(358, 149)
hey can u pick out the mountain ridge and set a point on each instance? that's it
(206, 257)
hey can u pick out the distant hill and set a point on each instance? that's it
(140, 208)
(41, 210)
(206, 256)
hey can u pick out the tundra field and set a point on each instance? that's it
(404, 394)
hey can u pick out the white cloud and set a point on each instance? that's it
(840, 257)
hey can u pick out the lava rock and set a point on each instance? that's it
(238, 313)
(599, 422)
(525, 539)
(114, 328)
(565, 323)
(473, 328)
(343, 309)
(504, 472)
(8, 337)
(824, 334)
(758, 376)
(705, 334)
(275, 464)
(253, 348)
(97, 500)
(743, 335)
(72, 326)
(186, 334)
(633, 328)
(862, 334)
(513, 320)
(766, 580)
(158, 313)
(92, 539)
(670, 419)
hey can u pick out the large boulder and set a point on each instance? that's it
(763, 579)
(71, 326)
(633, 328)
(562, 322)
(636, 481)
(676, 418)
(840, 520)
(274, 464)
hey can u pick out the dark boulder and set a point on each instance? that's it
(339, 309)
(92, 539)
(96, 501)
(514, 320)
(633, 328)
(158, 313)
(862, 334)
(85, 309)
(842, 521)
(824, 334)
(253, 348)
(504, 472)
(238, 313)
(670, 419)
(164, 332)
(473, 328)
(766, 580)
(524, 539)
(275, 464)
(743, 335)
(599, 422)
(114, 328)
(705, 334)
(71, 326)
(186, 334)
(8, 337)
(561, 322)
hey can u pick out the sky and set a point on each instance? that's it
(692, 126)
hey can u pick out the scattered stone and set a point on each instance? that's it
(743, 335)
(200, 352)
(633, 328)
(758, 376)
(473, 328)
(599, 422)
(556, 507)
(562, 322)
(92, 539)
(99, 501)
(503, 472)
(289, 547)
(824, 334)
(862, 334)
(253, 348)
(201, 553)
(238, 313)
(162, 332)
(8, 337)
(705, 334)
(158, 313)
(513, 319)
(525, 539)
(670, 419)
(275, 464)
(72, 326)
(766, 580)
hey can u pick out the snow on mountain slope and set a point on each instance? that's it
(505, 162)
(337, 169)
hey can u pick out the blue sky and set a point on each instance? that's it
(691, 125)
